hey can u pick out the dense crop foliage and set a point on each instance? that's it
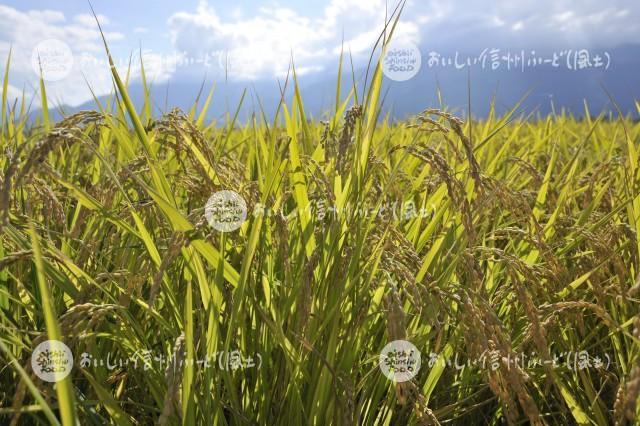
(489, 240)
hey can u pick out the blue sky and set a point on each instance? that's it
(254, 39)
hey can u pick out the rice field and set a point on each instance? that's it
(505, 249)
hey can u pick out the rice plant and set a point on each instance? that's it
(504, 249)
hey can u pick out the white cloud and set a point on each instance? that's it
(563, 17)
(497, 21)
(263, 45)
(541, 24)
(260, 43)
(46, 16)
(23, 31)
(89, 20)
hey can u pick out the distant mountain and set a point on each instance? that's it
(549, 87)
